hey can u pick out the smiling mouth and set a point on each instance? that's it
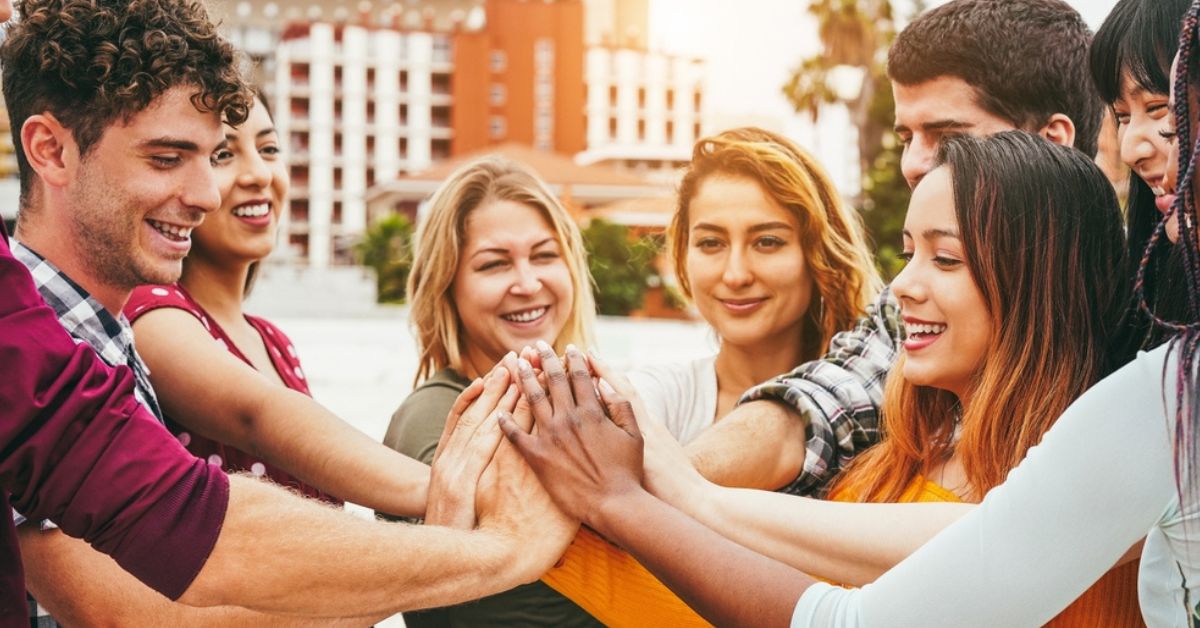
(526, 316)
(921, 331)
(171, 232)
(254, 210)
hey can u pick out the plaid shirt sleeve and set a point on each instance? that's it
(840, 394)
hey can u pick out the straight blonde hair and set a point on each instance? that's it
(439, 243)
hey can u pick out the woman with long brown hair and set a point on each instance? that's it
(774, 261)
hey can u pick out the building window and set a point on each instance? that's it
(497, 95)
(543, 55)
(442, 51)
(696, 130)
(612, 128)
(612, 95)
(641, 98)
(670, 99)
(544, 122)
(641, 130)
(543, 92)
(497, 127)
(670, 132)
(696, 101)
(498, 61)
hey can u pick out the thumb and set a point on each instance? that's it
(619, 410)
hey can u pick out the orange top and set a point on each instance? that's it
(618, 591)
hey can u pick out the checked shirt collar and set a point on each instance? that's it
(87, 321)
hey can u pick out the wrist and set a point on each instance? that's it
(614, 511)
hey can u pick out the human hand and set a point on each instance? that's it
(465, 448)
(583, 457)
(512, 501)
(669, 474)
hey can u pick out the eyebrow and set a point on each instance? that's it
(263, 133)
(171, 142)
(503, 251)
(930, 234)
(936, 125)
(766, 226)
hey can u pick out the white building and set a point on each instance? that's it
(645, 109)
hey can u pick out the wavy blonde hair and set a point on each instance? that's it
(439, 243)
(831, 234)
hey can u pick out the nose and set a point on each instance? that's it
(200, 191)
(527, 282)
(917, 160)
(907, 286)
(254, 174)
(1135, 143)
(737, 272)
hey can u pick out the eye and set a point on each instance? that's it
(270, 150)
(492, 265)
(545, 256)
(769, 242)
(946, 262)
(708, 245)
(166, 161)
(906, 256)
(904, 138)
(222, 156)
(1168, 134)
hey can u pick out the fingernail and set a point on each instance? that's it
(524, 365)
(497, 371)
(510, 354)
(543, 347)
(607, 387)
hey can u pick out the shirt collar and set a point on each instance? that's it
(78, 311)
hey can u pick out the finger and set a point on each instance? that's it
(587, 401)
(533, 392)
(469, 394)
(618, 380)
(580, 376)
(532, 357)
(518, 437)
(557, 384)
(523, 415)
(494, 386)
(620, 410)
(508, 402)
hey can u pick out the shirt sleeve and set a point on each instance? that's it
(839, 394)
(1099, 480)
(81, 451)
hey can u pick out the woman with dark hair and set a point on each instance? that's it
(200, 320)
(1130, 59)
(976, 311)
(1122, 463)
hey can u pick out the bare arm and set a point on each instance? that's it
(288, 429)
(281, 554)
(760, 444)
(82, 587)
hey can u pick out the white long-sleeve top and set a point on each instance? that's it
(1101, 479)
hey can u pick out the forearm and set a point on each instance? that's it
(300, 436)
(761, 444)
(280, 554)
(849, 543)
(82, 587)
(726, 583)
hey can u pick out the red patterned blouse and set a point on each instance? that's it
(283, 357)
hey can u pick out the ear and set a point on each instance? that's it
(1060, 130)
(50, 149)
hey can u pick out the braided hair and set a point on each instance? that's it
(1186, 339)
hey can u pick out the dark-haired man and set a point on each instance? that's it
(971, 67)
(116, 170)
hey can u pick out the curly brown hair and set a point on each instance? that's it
(93, 62)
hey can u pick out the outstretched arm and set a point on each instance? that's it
(288, 429)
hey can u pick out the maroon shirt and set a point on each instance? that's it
(283, 357)
(78, 449)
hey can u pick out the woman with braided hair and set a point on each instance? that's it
(1122, 463)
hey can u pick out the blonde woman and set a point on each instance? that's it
(772, 259)
(499, 266)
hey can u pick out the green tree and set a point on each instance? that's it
(855, 35)
(387, 248)
(620, 265)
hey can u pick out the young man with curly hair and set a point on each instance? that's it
(117, 107)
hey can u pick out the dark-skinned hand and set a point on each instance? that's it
(586, 450)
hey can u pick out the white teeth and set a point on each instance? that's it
(252, 211)
(178, 233)
(1158, 190)
(923, 329)
(526, 316)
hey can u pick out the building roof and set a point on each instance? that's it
(589, 185)
(638, 212)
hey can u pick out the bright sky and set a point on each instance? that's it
(750, 47)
